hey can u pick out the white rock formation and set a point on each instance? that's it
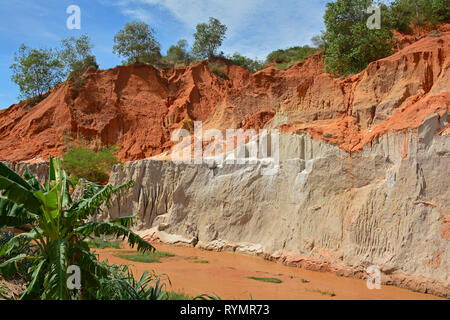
(325, 209)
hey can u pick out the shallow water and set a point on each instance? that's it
(227, 275)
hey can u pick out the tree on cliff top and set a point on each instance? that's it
(35, 71)
(77, 57)
(179, 53)
(137, 43)
(208, 38)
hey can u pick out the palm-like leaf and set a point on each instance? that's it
(56, 279)
(19, 194)
(14, 215)
(35, 284)
(94, 197)
(113, 228)
(11, 175)
(17, 243)
(60, 230)
(10, 267)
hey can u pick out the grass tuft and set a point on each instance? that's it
(148, 257)
(201, 261)
(271, 280)
(178, 296)
(325, 292)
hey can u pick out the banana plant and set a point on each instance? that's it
(59, 230)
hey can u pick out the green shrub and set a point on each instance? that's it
(83, 160)
(441, 10)
(249, 64)
(120, 284)
(289, 57)
(351, 46)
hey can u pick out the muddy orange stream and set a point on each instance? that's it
(227, 275)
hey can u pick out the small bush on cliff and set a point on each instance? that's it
(86, 161)
(288, 57)
(248, 63)
(351, 45)
(76, 55)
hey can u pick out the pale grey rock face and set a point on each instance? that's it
(39, 170)
(324, 209)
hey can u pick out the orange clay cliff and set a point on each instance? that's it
(138, 106)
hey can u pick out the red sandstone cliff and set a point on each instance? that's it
(139, 106)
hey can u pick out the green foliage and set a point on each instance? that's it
(271, 280)
(249, 64)
(35, 71)
(179, 54)
(289, 57)
(59, 230)
(208, 38)
(5, 236)
(148, 257)
(82, 160)
(351, 46)
(178, 296)
(76, 55)
(441, 10)
(405, 13)
(120, 284)
(137, 43)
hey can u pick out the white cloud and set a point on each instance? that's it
(140, 14)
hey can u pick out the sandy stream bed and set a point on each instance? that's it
(227, 274)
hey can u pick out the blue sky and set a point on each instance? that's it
(255, 27)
